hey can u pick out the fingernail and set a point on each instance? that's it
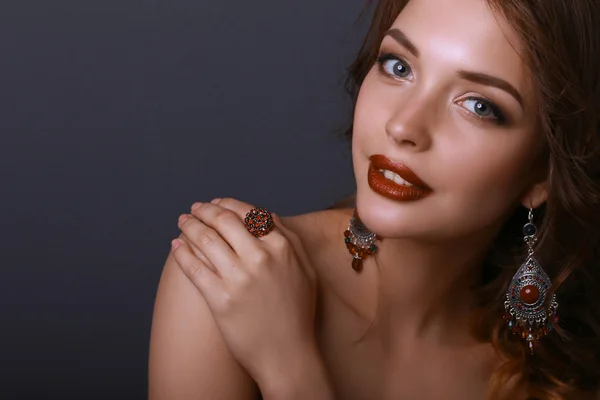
(196, 205)
(183, 218)
(215, 201)
(175, 243)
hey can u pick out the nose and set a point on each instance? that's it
(410, 123)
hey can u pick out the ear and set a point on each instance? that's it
(536, 195)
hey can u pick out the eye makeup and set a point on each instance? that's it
(401, 71)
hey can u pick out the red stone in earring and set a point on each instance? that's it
(360, 242)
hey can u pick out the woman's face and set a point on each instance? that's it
(450, 99)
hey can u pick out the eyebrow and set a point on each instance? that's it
(477, 77)
(490, 80)
(401, 38)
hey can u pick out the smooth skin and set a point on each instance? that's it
(287, 313)
(238, 274)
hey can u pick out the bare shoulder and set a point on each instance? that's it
(316, 229)
(321, 234)
(188, 356)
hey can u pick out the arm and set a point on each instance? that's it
(304, 378)
(188, 357)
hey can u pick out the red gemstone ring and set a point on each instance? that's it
(259, 222)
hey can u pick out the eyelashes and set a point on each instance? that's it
(484, 109)
(398, 69)
(398, 65)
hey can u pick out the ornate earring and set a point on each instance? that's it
(359, 241)
(528, 311)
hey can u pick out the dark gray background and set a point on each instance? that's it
(115, 116)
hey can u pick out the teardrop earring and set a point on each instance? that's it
(360, 242)
(528, 311)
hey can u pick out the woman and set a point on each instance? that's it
(476, 126)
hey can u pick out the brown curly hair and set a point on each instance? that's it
(562, 50)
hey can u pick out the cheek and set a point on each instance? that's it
(371, 111)
(486, 175)
(368, 117)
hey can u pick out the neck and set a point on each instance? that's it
(425, 288)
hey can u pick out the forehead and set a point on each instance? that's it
(465, 34)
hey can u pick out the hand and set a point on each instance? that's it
(261, 291)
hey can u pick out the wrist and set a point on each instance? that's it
(298, 376)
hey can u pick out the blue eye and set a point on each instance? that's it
(484, 109)
(393, 66)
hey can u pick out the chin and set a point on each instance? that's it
(393, 219)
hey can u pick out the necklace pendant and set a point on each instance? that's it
(357, 264)
(360, 242)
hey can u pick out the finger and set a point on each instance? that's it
(203, 278)
(198, 253)
(228, 224)
(241, 209)
(210, 243)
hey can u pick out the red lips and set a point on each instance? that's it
(390, 189)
